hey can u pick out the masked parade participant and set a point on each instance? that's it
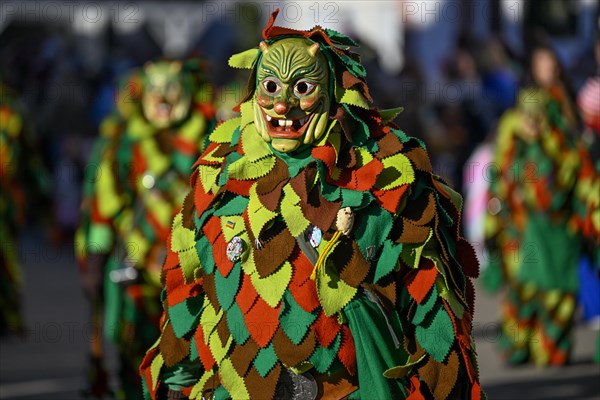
(317, 255)
(135, 184)
(539, 218)
(12, 197)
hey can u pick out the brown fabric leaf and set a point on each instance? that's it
(243, 355)
(223, 330)
(289, 353)
(349, 80)
(277, 246)
(172, 348)
(335, 386)
(211, 291)
(420, 159)
(300, 183)
(318, 210)
(412, 233)
(440, 377)
(262, 388)
(347, 157)
(270, 186)
(385, 290)
(357, 268)
(388, 145)
(224, 150)
(421, 212)
(346, 121)
(187, 211)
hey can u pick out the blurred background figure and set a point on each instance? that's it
(588, 101)
(135, 182)
(23, 182)
(532, 222)
(12, 211)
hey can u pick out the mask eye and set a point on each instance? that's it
(271, 86)
(302, 88)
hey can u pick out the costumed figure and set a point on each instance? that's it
(135, 184)
(12, 212)
(316, 255)
(536, 227)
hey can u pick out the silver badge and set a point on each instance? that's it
(235, 248)
(296, 387)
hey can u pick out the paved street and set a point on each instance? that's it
(49, 362)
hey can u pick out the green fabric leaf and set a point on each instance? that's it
(231, 381)
(355, 198)
(374, 225)
(292, 213)
(224, 132)
(322, 357)
(265, 360)
(233, 206)
(355, 98)
(402, 370)
(436, 335)
(388, 260)
(424, 308)
(245, 59)
(271, 288)
(227, 287)
(257, 214)
(337, 37)
(255, 148)
(397, 171)
(182, 238)
(184, 315)
(193, 350)
(190, 263)
(237, 325)
(294, 320)
(390, 114)
(205, 254)
(333, 292)
(244, 169)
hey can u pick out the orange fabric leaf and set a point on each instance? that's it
(419, 282)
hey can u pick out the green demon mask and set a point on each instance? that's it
(166, 99)
(291, 102)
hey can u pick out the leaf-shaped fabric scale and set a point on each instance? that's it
(184, 315)
(397, 171)
(333, 292)
(388, 259)
(322, 357)
(245, 59)
(244, 169)
(265, 360)
(227, 287)
(271, 288)
(294, 321)
(224, 132)
(436, 334)
(236, 324)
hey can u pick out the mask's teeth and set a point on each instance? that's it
(268, 117)
(303, 120)
(286, 122)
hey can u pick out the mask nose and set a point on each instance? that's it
(281, 107)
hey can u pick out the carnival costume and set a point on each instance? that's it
(316, 255)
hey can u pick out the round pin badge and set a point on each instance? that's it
(235, 248)
(315, 236)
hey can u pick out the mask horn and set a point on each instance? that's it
(313, 49)
(264, 47)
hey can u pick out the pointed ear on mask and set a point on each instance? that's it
(313, 49)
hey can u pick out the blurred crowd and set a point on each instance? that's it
(476, 100)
